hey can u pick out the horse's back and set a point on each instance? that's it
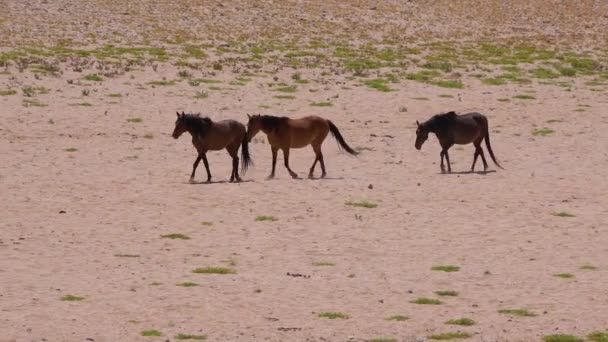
(307, 129)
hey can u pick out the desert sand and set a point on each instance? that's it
(91, 179)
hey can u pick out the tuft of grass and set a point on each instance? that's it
(72, 298)
(378, 84)
(201, 95)
(207, 223)
(446, 268)
(544, 73)
(517, 312)
(563, 214)
(561, 338)
(135, 120)
(543, 131)
(151, 333)
(70, 149)
(8, 92)
(214, 270)
(155, 283)
(114, 95)
(322, 104)
(461, 321)
(446, 96)
(524, 97)
(333, 315)
(564, 275)
(323, 263)
(93, 77)
(588, 267)
(287, 89)
(148, 136)
(382, 339)
(449, 335)
(398, 318)
(493, 81)
(187, 284)
(363, 204)
(598, 336)
(456, 84)
(446, 293)
(162, 83)
(176, 236)
(120, 255)
(504, 100)
(33, 103)
(284, 97)
(424, 300)
(190, 337)
(266, 218)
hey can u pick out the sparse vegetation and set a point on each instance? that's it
(517, 312)
(161, 83)
(382, 339)
(201, 95)
(561, 338)
(446, 268)
(93, 78)
(562, 214)
(151, 333)
(321, 104)
(378, 84)
(424, 300)
(598, 336)
(363, 204)
(588, 267)
(70, 149)
(120, 255)
(190, 337)
(323, 263)
(333, 315)
(174, 236)
(461, 321)
(72, 298)
(187, 284)
(524, 97)
(135, 120)
(564, 275)
(543, 131)
(446, 293)
(266, 218)
(449, 336)
(398, 318)
(8, 92)
(214, 270)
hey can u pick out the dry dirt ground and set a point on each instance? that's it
(91, 179)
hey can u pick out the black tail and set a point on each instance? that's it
(246, 157)
(341, 143)
(488, 145)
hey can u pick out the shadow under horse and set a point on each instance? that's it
(451, 128)
(284, 133)
(208, 135)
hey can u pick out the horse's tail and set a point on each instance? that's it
(487, 138)
(341, 143)
(246, 157)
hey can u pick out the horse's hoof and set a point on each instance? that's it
(311, 176)
(270, 177)
(208, 180)
(191, 181)
(323, 175)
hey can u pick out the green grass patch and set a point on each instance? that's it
(446, 293)
(493, 81)
(175, 236)
(517, 312)
(424, 300)
(266, 218)
(598, 336)
(33, 103)
(456, 84)
(214, 270)
(70, 149)
(562, 214)
(588, 267)
(543, 131)
(72, 298)
(461, 321)
(544, 73)
(566, 71)
(323, 263)
(503, 100)
(284, 97)
(114, 95)
(564, 275)
(423, 76)
(207, 223)
(162, 83)
(449, 336)
(561, 338)
(438, 65)
(322, 104)
(187, 284)
(197, 81)
(333, 315)
(524, 97)
(382, 339)
(363, 204)
(287, 89)
(8, 92)
(135, 120)
(190, 337)
(93, 77)
(446, 96)
(379, 84)
(201, 95)
(398, 318)
(446, 268)
(151, 333)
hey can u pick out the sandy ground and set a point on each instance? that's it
(69, 218)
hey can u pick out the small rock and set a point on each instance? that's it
(370, 186)
(62, 211)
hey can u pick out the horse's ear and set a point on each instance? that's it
(248, 116)
(417, 123)
(177, 114)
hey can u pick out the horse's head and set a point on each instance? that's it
(254, 125)
(421, 135)
(180, 125)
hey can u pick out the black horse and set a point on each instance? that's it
(208, 135)
(451, 128)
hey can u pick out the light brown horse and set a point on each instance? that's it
(208, 135)
(451, 128)
(285, 133)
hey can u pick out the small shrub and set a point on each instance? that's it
(333, 315)
(93, 77)
(8, 92)
(424, 300)
(214, 270)
(450, 335)
(588, 267)
(176, 236)
(446, 268)
(201, 95)
(322, 104)
(151, 333)
(398, 318)
(446, 293)
(543, 131)
(378, 84)
(561, 338)
(524, 97)
(517, 312)
(323, 263)
(363, 204)
(135, 120)
(187, 284)
(266, 218)
(564, 275)
(563, 214)
(190, 337)
(72, 298)
(461, 321)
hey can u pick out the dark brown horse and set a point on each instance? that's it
(451, 128)
(285, 133)
(208, 135)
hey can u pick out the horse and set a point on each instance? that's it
(208, 135)
(451, 128)
(285, 133)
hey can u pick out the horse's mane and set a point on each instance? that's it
(272, 122)
(200, 124)
(439, 119)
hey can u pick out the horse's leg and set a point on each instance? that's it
(235, 163)
(483, 159)
(447, 159)
(475, 155)
(441, 155)
(286, 159)
(274, 161)
(312, 168)
(198, 160)
(207, 167)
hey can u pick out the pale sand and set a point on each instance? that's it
(121, 191)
